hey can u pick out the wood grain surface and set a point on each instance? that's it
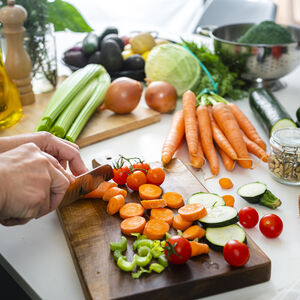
(89, 230)
(101, 126)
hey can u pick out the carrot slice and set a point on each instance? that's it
(229, 200)
(194, 232)
(149, 191)
(114, 204)
(199, 248)
(131, 210)
(155, 203)
(179, 223)
(225, 183)
(113, 192)
(133, 225)
(156, 229)
(100, 190)
(164, 214)
(173, 199)
(192, 212)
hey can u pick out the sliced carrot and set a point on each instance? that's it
(179, 223)
(149, 191)
(131, 210)
(228, 162)
(225, 183)
(100, 190)
(133, 225)
(173, 199)
(113, 192)
(199, 248)
(229, 200)
(192, 212)
(164, 214)
(155, 203)
(156, 229)
(114, 204)
(194, 232)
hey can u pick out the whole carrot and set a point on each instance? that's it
(174, 138)
(255, 149)
(197, 159)
(246, 125)
(206, 138)
(219, 137)
(226, 121)
(227, 161)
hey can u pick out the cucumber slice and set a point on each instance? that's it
(283, 123)
(218, 237)
(220, 216)
(206, 199)
(252, 192)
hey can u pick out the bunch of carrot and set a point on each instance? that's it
(210, 124)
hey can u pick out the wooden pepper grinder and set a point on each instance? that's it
(17, 62)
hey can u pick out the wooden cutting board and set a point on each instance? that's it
(89, 230)
(101, 126)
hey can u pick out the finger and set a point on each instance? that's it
(69, 143)
(14, 221)
(63, 163)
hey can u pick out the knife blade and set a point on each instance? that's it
(86, 183)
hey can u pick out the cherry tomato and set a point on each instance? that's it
(120, 175)
(178, 250)
(271, 225)
(236, 253)
(248, 217)
(136, 179)
(142, 166)
(156, 176)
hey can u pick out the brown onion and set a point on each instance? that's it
(161, 96)
(123, 95)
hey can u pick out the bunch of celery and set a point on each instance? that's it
(74, 102)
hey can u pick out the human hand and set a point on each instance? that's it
(32, 184)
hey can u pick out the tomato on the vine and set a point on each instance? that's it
(142, 166)
(120, 175)
(236, 253)
(156, 176)
(178, 250)
(271, 225)
(248, 217)
(136, 179)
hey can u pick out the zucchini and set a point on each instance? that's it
(206, 199)
(218, 237)
(298, 114)
(220, 216)
(269, 112)
(268, 199)
(252, 192)
(90, 43)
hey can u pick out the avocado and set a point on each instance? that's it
(134, 62)
(75, 58)
(111, 56)
(90, 43)
(114, 37)
(95, 58)
(107, 30)
(138, 75)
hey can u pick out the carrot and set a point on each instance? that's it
(190, 122)
(131, 210)
(155, 203)
(194, 232)
(113, 192)
(246, 125)
(198, 248)
(179, 223)
(173, 199)
(206, 138)
(225, 183)
(164, 214)
(114, 204)
(227, 161)
(133, 225)
(255, 149)
(149, 191)
(174, 138)
(229, 200)
(156, 229)
(226, 121)
(192, 212)
(100, 190)
(219, 136)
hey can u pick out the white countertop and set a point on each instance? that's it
(38, 250)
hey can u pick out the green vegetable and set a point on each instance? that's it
(122, 245)
(90, 43)
(252, 192)
(117, 254)
(158, 268)
(174, 64)
(157, 251)
(143, 242)
(143, 261)
(266, 32)
(298, 114)
(163, 260)
(270, 200)
(125, 265)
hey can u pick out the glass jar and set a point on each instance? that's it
(284, 159)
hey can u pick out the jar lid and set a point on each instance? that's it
(287, 137)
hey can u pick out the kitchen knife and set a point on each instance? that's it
(86, 183)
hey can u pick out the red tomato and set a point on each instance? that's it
(120, 175)
(178, 250)
(236, 253)
(136, 179)
(144, 167)
(248, 217)
(156, 176)
(271, 225)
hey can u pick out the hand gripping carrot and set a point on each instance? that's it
(174, 138)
